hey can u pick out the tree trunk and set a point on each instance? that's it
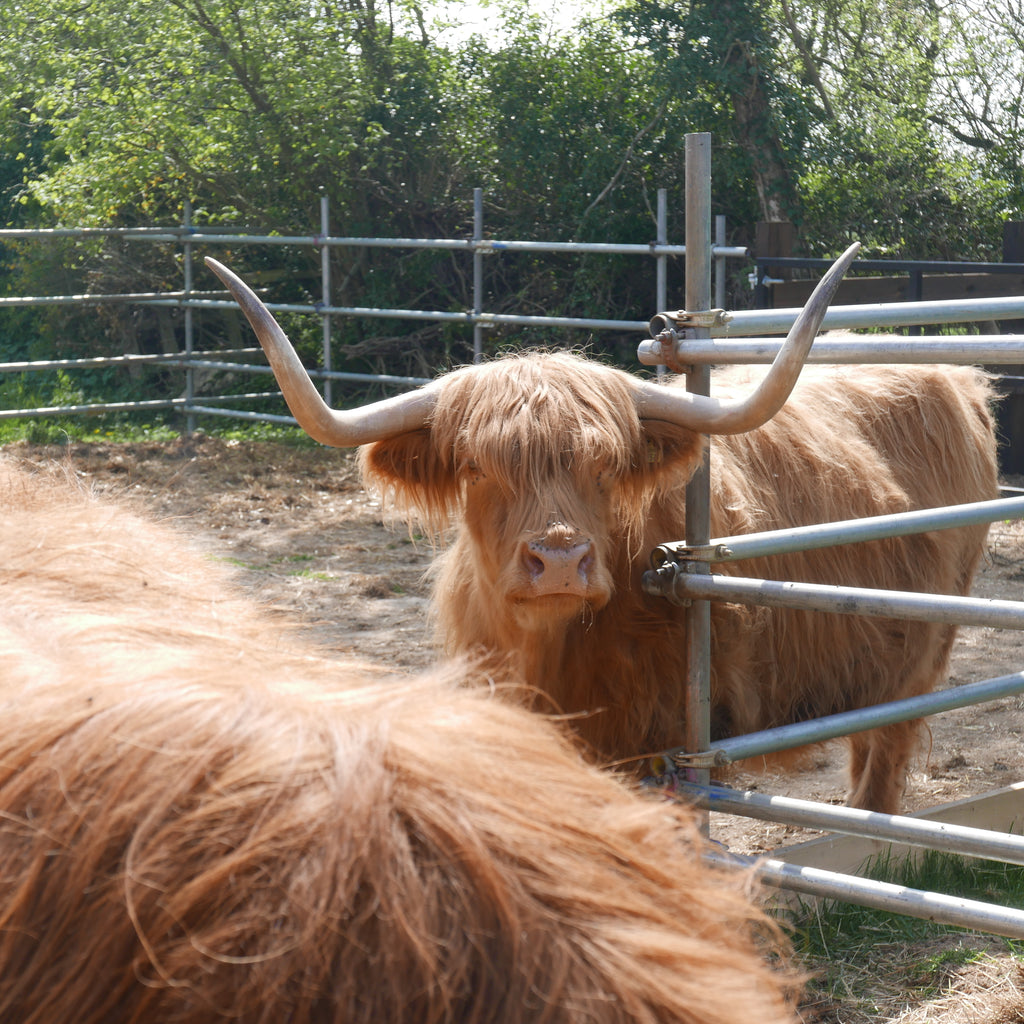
(744, 46)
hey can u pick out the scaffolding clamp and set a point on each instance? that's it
(667, 767)
(671, 330)
(669, 561)
(703, 759)
(660, 582)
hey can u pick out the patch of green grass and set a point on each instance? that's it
(60, 430)
(865, 957)
(253, 431)
(310, 574)
(832, 924)
(122, 429)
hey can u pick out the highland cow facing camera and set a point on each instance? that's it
(563, 475)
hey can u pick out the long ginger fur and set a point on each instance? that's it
(201, 820)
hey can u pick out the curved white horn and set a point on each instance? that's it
(339, 428)
(735, 416)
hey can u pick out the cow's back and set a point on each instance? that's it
(850, 443)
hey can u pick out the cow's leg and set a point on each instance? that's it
(879, 760)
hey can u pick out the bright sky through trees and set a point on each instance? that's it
(482, 17)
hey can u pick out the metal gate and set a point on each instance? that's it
(697, 336)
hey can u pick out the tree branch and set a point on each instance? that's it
(659, 113)
(810, 64)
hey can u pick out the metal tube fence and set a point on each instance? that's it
(897, 899)
(702, 329)
(188, 273)
(840, 600)
(941, 836)
(845, 723)
(325, 300)
(98, 408)
(914, 269)
(698, 491)
(962, 840)
(681, 575)
(698, 352)
(752, 322)
(673, 330)
(130, 359)
(848, 531)
(478, 272)
(967, 350)
(476, 318)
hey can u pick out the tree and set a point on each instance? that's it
(251, 109)
(881, 163)
(726, 50)
(980, 104)
(869, 119)
(853, 115)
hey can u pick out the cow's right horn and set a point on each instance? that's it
(735, 416)
(340, 428)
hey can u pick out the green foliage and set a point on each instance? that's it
(851, 118)
(876, 167)
(868, 128)
(727, 55)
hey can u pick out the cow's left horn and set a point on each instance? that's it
(735, 416)
(339, 428)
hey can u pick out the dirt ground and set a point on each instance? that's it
(305, 536)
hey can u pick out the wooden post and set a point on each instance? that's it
(1010, 408)
(771, 238)
(1013, 241)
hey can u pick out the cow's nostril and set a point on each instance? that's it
(534, 565)
(586, 565)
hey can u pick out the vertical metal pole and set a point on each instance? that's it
(661, 281)
(719, 263)
(761, 292)
(915, 292)
(478, 272)
(325, 292)
(698, 493)
(190, 381)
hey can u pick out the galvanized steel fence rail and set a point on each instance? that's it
(188, 299)
(697, 336)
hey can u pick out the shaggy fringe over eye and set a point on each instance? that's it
(538, 423)
(527, 418)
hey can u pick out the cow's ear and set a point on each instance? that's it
(408, 472)
(667, 448)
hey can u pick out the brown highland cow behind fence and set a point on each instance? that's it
(200, 821)
(543, 459)
(563, 475)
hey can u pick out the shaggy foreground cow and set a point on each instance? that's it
(564, 474)
(199, 822)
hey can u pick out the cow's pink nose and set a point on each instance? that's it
(557, 568)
